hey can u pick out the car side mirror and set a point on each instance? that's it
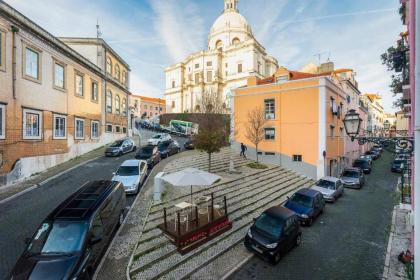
(113, 173)
(254, 219)
(95, 240)
(27, 240)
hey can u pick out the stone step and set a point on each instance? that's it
(159, 206)
(216, 164)
(236, 209)
(229, 191)
(176, 266)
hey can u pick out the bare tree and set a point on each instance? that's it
(214, 129)
(255, 127)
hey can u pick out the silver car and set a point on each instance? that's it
(353, 178)
(132, 174)
(330, 187)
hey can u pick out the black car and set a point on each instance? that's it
(397, 165)
(363, 164)
(374, 154)
(70, 242)
(189, 145)
(274, 233)
(150, 154)
(307, 204)
(120, 147)
(168, 148)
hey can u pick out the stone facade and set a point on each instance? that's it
(232, 56)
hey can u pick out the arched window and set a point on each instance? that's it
(109, 102)
(124, 77)
(236, 41)
(108, 65)
(219, 45)
(124, 106)
(197, 108)
(117, 72)
(117, 104)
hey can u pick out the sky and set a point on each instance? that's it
(153, 34)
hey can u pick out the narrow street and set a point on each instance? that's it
(348, 242)
(21, 216)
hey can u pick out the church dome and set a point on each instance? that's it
(230, 23)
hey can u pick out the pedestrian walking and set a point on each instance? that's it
(243, 149)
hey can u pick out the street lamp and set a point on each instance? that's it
(352, 123)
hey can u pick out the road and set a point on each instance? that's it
(348, 242)
(21, 216)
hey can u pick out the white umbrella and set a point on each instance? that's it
(191, 177)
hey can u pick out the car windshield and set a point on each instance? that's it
(326, 184)
(270, 225)
(351, 174)
(360, 163)
(398, 162)
(58, 238)
(128, 171)
(157, 136)
(163, 146)
(302, 199)
(145, 152)
(117, 144)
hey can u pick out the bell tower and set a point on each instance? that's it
(231, 6)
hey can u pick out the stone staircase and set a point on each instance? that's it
(156, 258)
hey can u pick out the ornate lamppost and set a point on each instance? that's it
(400, 145)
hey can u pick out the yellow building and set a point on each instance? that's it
(304, 113)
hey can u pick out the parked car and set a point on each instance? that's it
(397, 165)
(150, 154)
(330, 187)
(168, 148)
(378, 148)
(70, 242)
(132, 174)
(367, 157)
(274, 233)
(377, 152)
(364, 165)
(373, 154)
(159, 138)
(307, 204)
(353, 178)
(189, 145)
(120, 147)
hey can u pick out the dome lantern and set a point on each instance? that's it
(231, 6)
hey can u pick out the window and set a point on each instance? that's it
(239, 67)
(108, 127)
(332, 131)
(59, 127)
(117, 129)
(124, 106)
(197, 66)
(219, 45)
(32, 64)
(282, 79)
(156, 108)
(173, 104)
(236, 41)
(197, 78)
(109, 102)
(269, 105)
(2, 51)
(108, 65)
(297, 157)
(270, 133)
(145, 107)
(94, 129)
(2, 121)
(32, 124)
(94, 92)
(117, 104)
(124, 130)
(209, 63)
(173, 84)
(209, 76)
(79, 84)
(79, 127)
(59, 76)
(270, 154)
(124, 77)
(160, 109)
(117, 72)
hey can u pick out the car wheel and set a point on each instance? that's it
(134, 148)
(138, 189)
(120, 153)
(121, 219)
(298, 240)
(276, 258)
(310, 222)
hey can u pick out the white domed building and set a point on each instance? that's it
(232, 56)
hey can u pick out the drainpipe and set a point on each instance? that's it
(416, 171)
(14, 31)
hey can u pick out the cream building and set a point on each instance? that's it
(232, 56)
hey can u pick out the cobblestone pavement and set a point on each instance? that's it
(21, 216)
(348, 242)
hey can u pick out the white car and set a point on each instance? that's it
(131, 174)
(159, 138)
(330, 187)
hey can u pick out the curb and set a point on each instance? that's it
(236, 268)
(46, 181)
(388, 249)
